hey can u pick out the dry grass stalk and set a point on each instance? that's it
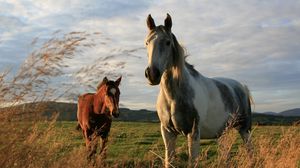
(24, 145)
(269, 151)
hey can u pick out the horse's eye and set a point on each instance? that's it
(168, 42)
(147, 43)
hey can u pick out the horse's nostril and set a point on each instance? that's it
(147, 72)
(155, 72)
(153, 75)
(116, 114)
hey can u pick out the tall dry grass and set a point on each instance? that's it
(268, 150)
(23, 144)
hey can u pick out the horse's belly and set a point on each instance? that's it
(212, 126)
(206, 133)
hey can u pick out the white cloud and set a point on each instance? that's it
(256, 42)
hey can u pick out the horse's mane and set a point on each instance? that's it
(100, 85)
(109, 83)
(179, 58)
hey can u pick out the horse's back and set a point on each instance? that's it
(229, 82)
(234, 94)
(84, 108)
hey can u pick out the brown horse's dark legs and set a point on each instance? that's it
(103, 146)
(87, 138)
(91, 144)
(94, 144)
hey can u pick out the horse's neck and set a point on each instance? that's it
(172, 84)
(176, 74)
(98, 103)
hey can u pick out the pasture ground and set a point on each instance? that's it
(138, 144)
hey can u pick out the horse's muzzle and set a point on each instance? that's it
(116, 114)
(153, 75)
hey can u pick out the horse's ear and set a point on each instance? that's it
(150, 22)
(105, 80)
(118, 81)
(168, 22)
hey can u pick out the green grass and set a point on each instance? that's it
(135, 140)
(134, 144)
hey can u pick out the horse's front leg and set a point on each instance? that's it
(103, 146)
(170, 144)
(94, 144)
(193, 145)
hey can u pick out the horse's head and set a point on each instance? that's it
(111, 92)
(160, 47)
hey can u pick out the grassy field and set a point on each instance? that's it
(136, 144)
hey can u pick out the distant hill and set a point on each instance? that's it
(67, 112)
(137, 115)
(267, 119)
(292, 112)
(270, 113)
(287, 113)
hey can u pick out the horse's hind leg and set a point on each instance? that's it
(86, 137)
(244, 125)
(245, 133)
(246, 136)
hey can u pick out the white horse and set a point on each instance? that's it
(188, 102)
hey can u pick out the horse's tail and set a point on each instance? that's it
(249, 98)
(248, 110)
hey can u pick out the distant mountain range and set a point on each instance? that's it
(291, 112)
(67, 112)
(286, 113)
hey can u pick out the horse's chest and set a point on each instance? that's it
(100, 124)
(178, 116)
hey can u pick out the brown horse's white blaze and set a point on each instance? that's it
(95, 112)
(188, 102)
(112, 101)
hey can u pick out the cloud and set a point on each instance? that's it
(256, 42)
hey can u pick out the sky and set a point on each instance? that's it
(255, 42)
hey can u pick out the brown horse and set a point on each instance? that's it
(95, 111)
